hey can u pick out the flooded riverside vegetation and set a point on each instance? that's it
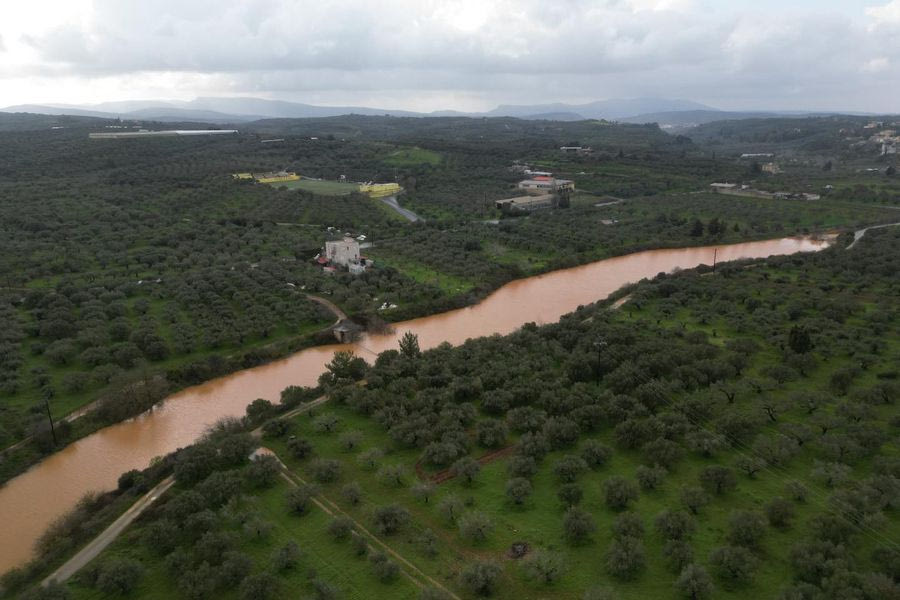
(28, 503)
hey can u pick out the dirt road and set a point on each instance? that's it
(99, 543)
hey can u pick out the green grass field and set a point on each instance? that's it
(410, 157)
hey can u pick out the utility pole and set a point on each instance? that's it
(600, 344)
(715, 256)
(50, 417)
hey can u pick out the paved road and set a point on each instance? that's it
(859, 233)
(405, 212)
(99, 543)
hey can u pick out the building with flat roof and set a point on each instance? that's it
(527, 203)
(544, 185)
(342, 252)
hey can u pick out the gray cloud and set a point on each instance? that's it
(558, 50)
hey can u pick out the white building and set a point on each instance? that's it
(342, 252)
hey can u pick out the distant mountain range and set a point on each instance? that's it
(670, 114)
(237, 110)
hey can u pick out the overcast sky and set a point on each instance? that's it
(461, 54)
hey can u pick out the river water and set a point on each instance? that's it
(29, 502)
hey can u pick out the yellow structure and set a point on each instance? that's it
(380, 190)
(276, 177)
(268, 177)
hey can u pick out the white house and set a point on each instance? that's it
(342, 252)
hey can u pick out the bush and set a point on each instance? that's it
(325, 470)
(649, 478)
(619, 492)
(679, 554)
(451, 507)
(716, 479)
(480, 577)
(340, 527)
(518, 490)
(286, 557)
(543, 566)
(733, 564)
(299, 447)
(119, 576)
(490, 433)
(467, 468)
(568, 468)
(261, 586)
(628, 525)
(423, 491)
(358, 543)
(578, 525)
(674, 525)
(263, 471)
(595, 454)
(522, 466)
(299, 499)
(350, 440)
(746, 528)
(384, 568)
(570, 494)
(475, 526)
(390, 519)
(625, 558)
(695, 583)
(352, 493)
(779, 512)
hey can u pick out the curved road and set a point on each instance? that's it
(859, 233)
(405, 212)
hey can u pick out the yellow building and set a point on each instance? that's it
(276, 177)
(380, 190)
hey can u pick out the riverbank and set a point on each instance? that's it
(29, 502)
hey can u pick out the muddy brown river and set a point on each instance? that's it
(29, 502)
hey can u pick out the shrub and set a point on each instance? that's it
(695, 583)
(352, 493)
(299, 447)
(618, 492)
(518, 490)
(568, 468)
(595, 454)
(578, 525)
(649, 478)
(543, 566)
(625, 558)
(628, 525)
(384, 568)
(340, 527)
(467, 468)
(299, 499)
(119, 576)
(570, 494)
(733, 564)
(390, 519)
(286, 557)
(325, 470)
(480, 577)
(475, 526)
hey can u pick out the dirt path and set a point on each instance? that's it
(99, 543)
(331, 306)
(419, 578)
(859, 233)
